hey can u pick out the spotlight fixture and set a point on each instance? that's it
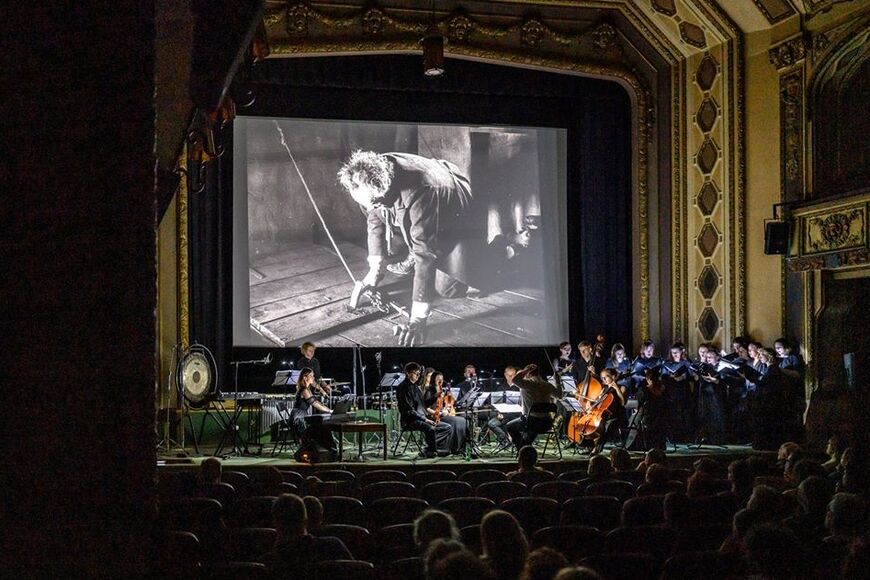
(433, 52)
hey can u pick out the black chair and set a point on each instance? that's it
(471, 538)
(403, 569)
(499, 491)
(477, 476)
(236, 571)
(701, 538)
(658, 541)
(421, 478)
(339, 509)
(293, 477)
(357, 539)
(625, 567)
(601, 512)
(438, 491)
(550, 434)
(285, 434)
(335, 475)
(574, 475)
(619, 489)
(709, 565)
(179, 555)
(395, 542)
(223, 492)
(532, 478)
(240, 481)
(574, 542)
(646, 510)
(378, 476)
(557, 490)
(410, 435)
(344, 570)
(533, 513)
(467, 511)
(385, 489)
(250, 544)
(395, 510)
(254, 512)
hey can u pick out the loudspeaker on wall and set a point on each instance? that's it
(776, 235)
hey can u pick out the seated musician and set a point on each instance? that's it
(413, 416)
(305, 405)
(496, 423)
(589, 361)
(615, 417)
(534, 389)
(469, 380)
(307, 360)
(441, 406)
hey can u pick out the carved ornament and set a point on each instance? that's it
(837, 230)
(788, 53)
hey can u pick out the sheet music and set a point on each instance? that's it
(506, 408)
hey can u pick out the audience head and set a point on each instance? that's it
(658, 474)
(543, 564)
(289, 516)
(677, 508)
(815, 493)
(743, 521)
(504, 543)
(432, 525)
(459, 565)
(271, 477)
(847, 515)
(620, 459)
(792, 460)
(765, 501)
(527, 458)
(858, 561)
(785, 450)
(775, 551)
(438, 550)
(599, 466)
(806, 468)
(578, 573)
(741, 476)
(314, 509)
(708, 466)
(655, 456)
(210, 470)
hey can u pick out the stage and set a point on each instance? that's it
(372, 458)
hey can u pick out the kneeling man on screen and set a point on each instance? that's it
(428, 202)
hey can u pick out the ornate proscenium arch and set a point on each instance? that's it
(685, 146)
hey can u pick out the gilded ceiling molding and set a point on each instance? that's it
(816, 7)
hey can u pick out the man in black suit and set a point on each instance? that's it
(413, 416)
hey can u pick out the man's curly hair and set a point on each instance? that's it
(375, 169)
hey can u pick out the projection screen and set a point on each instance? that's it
(462, 228)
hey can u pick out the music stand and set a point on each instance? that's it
(285, 379)
(388, 382)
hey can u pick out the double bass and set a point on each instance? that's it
(590, 393)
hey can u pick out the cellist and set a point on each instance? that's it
(615, 418)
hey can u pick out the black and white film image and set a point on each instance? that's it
(387, 234)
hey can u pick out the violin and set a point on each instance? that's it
(445, 402)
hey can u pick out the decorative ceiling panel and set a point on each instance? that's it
(775, 10)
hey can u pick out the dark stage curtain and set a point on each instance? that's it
(596, 113)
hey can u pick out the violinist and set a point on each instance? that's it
(647, 359)
(441, 408)
(615, 417)
(619, 362)
(679, 384)
(564, 365)
(307, 360)
(413, 415)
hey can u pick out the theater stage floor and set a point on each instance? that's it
(681, 457)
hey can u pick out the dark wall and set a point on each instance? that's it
(78, 290)
(596, 114)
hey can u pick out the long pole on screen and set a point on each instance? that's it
(314, 203)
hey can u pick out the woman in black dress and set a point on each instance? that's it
(305, 405)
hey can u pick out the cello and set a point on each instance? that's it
(592, 397)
